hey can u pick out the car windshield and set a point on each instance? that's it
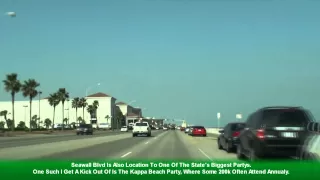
(103, 124)
(285, 117)
(198, 127)
(141, 124)
(124, 126)
(85, 125)
(237, 126)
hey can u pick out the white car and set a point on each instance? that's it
(104, 126)
(165, 128)
(124, 129)
(141, 128)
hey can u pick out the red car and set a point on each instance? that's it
(198, 131)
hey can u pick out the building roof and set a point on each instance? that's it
(99, 94)
(121, 103)
(132, 115)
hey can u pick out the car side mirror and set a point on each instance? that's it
(221, 131)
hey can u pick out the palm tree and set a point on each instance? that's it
(107, 117)
(12, 85)
(95, 105)
(63, 96)
(54, 101)
(76, 104)
(47, 123)
(29, 89)
(2, 123)
(90, 110)
(83, 104)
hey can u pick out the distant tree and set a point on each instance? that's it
(29, 89)
(4, 113)
(2, 124)
(79, 119)
(120, 118)
(33, 124)
(65, 121)
(53, 101)
(83, 104)
(21, 125)
(10, 123)
(12, 85)
(107, 117)
(47, 123)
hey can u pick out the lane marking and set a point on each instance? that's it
(146, 142)
(126, 154)
(205, 154)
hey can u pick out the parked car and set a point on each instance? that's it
(229, 136)
(276, 131)
(124, 129)
(85, 129)
(187, 130)
(198, 131)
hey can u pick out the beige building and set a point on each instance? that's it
(107, 107)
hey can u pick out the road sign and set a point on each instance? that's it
(239, 116)
(218, 115)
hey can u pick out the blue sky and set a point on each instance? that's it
(178, 58)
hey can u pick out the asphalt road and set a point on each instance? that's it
(16, 142)
(172, 144)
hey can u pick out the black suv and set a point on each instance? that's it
(85, 129)
(275, 131)
(229, 136)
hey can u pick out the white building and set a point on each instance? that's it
(106, 107)
(132, 114)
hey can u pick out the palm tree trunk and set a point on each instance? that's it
(12, 96)
(83, 113)
(54, 112)
(76, 114)
(30, 114)
(62, 115)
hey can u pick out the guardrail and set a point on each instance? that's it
(214, 131)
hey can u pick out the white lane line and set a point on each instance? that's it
(146, 142)
(205, 154)
(126, 154)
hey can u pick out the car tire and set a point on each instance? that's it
(219, 145)
(252, 155)
(133, 135)
(240, 154)
(149, 135)
(228, 148)
(204, 135)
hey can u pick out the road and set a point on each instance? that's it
(19, 141)
(172, 144)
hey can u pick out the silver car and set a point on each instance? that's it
(186, 130)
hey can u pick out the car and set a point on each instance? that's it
(198, 131)
(274, 131)
(124, 129)
(141, 128)
(229, 136)
(186, 130)
(103, 126)
(311, 146)
(85, 129)
(182, 129)
(165, 128)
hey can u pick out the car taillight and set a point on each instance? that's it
(260, 134)
(235, 134)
